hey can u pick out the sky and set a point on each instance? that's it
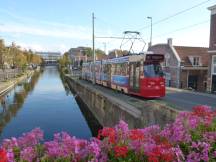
(58, 25)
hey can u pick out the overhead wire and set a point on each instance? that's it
(175, 14)
(183, 28)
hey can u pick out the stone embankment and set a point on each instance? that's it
(7, 85)
(109, 106)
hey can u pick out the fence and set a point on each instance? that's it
(76, 73)
(9, 74)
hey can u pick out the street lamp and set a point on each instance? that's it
(150, 43)
(93, 46)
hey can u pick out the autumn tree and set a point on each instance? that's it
(65, 60)
(2, 54)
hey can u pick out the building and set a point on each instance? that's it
(212, 52)
(78, 55)
(82, 54)
(49, 58)
(184, 67)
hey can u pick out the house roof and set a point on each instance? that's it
(185, 52)
(212, 7)
(159, 48)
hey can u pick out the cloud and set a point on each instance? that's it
(73, 33)
(34, 47)
(37, 21)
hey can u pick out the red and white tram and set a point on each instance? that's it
(140, 74)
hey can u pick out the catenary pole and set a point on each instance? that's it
(93, 46)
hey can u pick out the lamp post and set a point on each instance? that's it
(93, 46)
(150, 43)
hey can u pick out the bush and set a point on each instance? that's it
(66, 71)
(191, 138)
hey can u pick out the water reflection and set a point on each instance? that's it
(13, 101)
(44, 101)
(92, 122)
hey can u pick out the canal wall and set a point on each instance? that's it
(8, 85)
(109, 109)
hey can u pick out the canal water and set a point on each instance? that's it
(44, 101)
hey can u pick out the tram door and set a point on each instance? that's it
(109, 66)
(134, 76)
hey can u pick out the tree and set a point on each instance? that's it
(65, 60)
(2, 54)
(117, 53)
(88, 51)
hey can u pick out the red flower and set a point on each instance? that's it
(167, 157)
(136, 134)
(3, 155)
(202, 111)
(120, 151)
(107, 132)
(158, 154)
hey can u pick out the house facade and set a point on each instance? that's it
(212, 52)
(184, 67)
(77, 55)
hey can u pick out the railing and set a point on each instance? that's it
(76, 73)
(9, 74)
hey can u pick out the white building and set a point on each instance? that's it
(49, 58)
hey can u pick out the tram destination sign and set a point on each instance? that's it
(155, 57)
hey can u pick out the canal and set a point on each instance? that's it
(44, 101)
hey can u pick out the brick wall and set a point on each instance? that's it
(202, 78)
(212, 43)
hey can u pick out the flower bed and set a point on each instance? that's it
(191, 138)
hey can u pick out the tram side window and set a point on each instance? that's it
(118, 69)
(113, 69)
(124, 69)
(97, 68)
(121, 69)
(106, 68)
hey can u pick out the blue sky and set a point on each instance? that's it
(57, 25)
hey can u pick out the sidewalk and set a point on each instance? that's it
(6, 86)
(170, 89)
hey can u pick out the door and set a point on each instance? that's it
(192, 81)
(109, 66)
(214, 83)
(134, 76)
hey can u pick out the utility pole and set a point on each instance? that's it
(150, 43)
(93, 47)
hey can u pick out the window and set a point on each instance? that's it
(152, 70)
(214, 64)
(196, 61)
(166, 61)
(121, 69)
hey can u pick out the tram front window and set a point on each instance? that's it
(153, 70)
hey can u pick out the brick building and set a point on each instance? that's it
(212, 52)
(77, 55)
(184, 67)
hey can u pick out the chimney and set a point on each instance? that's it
(169, 41)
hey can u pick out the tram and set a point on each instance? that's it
(137, 74)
